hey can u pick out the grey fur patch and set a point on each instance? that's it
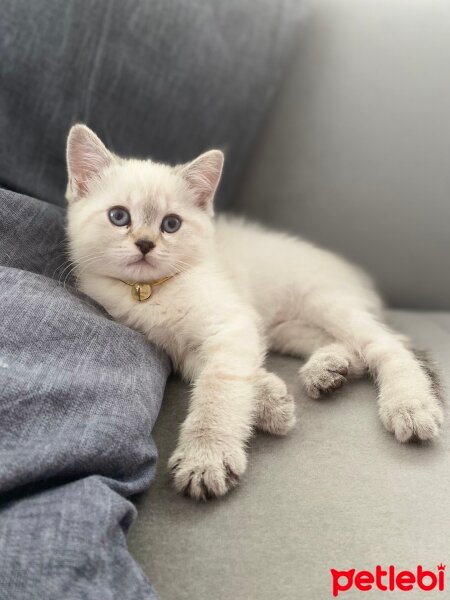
(430, 367)
(150, 212)
(232, 478)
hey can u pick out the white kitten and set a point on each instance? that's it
(223, 293)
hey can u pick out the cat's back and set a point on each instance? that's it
(249, 249)
(260, 260)
(239, 240)
(253, 256)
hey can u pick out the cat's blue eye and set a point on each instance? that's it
(119, 216)
(170, 224)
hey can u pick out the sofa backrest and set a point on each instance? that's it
(356, 154)
(153, 78)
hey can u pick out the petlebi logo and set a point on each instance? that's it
(388, 579)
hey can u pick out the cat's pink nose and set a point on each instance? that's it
(144, 245)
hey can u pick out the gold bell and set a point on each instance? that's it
(141, 291)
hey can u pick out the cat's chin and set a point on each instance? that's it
(143, 270)
(142, 262)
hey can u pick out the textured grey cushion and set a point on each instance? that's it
(152, 78)
(357, 153)
(339, 492)
(79, 395)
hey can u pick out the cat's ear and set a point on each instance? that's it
(202, 176)
(87, 157)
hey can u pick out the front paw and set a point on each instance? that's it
(275, 407)
(206, 469)
(419, 418)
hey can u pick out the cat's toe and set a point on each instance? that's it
(278, 416)
(276, 407)
(206, 473)
(324, 376)
(414, 420)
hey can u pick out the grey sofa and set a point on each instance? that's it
(356, 157)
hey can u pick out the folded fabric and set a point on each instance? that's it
(153, 78)
(79, 395)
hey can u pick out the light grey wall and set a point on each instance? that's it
(356, 155)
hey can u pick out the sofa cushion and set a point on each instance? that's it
(152, 78)
(339, 492)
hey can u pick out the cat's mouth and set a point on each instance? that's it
(142, 267)
(141, 262)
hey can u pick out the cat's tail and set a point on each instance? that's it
(410, 394)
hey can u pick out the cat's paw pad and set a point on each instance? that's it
(206, 471)
(276, 408)
(324, 375)
(416, 419)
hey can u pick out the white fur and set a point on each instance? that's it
(238, 291)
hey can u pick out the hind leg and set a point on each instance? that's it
(330, 362)
(328, 369)
(275, 409)
(297, 338)
(409, 403)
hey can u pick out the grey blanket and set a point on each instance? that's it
(78, 398)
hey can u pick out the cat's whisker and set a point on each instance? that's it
(68, 265)
(63, 264)
(61, 274)
(81, 266)
(69, 274)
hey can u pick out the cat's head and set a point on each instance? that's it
(135, 219)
